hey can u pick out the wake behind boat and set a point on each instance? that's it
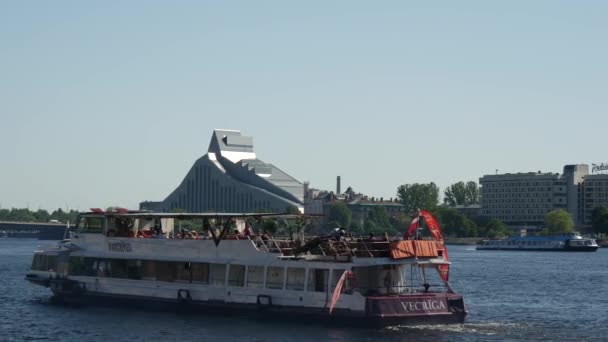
(566, 242)
(332, 278)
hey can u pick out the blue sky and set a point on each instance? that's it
(110, 102)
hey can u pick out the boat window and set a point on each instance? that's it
(217, 275)
(165, 271)
(118, 268)
(51, 263)
(200, 273)
(134, 269)
(44, 262)
(91, 224)
(148, 270)
(236, 275)
(183, 272)
(274, 277)
(317, 280)
(121, 226)
(80, 266)
(39, 263)
(255, 276)
(296, 278)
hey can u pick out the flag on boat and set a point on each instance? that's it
(435, 230)
(413, 227)
(444, 270)
(338, 290)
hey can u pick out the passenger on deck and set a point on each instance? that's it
(264, 236)
(338, 234)
(147, 232)
(157, 227)
(185, 234)
(248, 232)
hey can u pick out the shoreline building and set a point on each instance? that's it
(318, 202)
(523, 199)
(230, 178)
(594, 193)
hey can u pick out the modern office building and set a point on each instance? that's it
(523, 199)
(594, 193)
(230, 178)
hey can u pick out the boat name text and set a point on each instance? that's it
(120, 246)
(427, 305)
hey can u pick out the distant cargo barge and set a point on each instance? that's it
(33, 230)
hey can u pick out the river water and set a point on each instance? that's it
(510, 296)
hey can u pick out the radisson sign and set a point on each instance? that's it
(599, 167)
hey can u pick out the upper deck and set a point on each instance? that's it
(235, 236)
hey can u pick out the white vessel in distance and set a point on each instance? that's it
(143, 259)
(566, 242)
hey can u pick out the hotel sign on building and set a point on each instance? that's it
(597, 168)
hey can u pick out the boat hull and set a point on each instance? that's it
(380, 312)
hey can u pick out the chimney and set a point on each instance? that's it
(338, 186)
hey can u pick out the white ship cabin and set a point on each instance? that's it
(236, 259)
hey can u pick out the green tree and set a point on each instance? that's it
(461, 194)
(23, 215)
(42, 215)
(5, 215)
(378, 222)
(292, 209)
(371, 227)
(418, 196)
(339, 215)
(454, 194)
(455, 224)
(599, 220)
(379, 216)
(270, 226)
(496, 228)
(355, 227)
(471, 193)
(558, 221)
(400, 223)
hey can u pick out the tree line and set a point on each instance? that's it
(411, 196)
(453, 222)
(40, 215)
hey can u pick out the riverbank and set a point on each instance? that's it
(475, 240)
(462, 241)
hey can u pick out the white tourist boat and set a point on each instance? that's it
(564, 242)
(357, 281)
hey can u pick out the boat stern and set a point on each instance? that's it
(426, 308)
(39, 278)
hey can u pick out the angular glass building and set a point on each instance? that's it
(229, 178)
